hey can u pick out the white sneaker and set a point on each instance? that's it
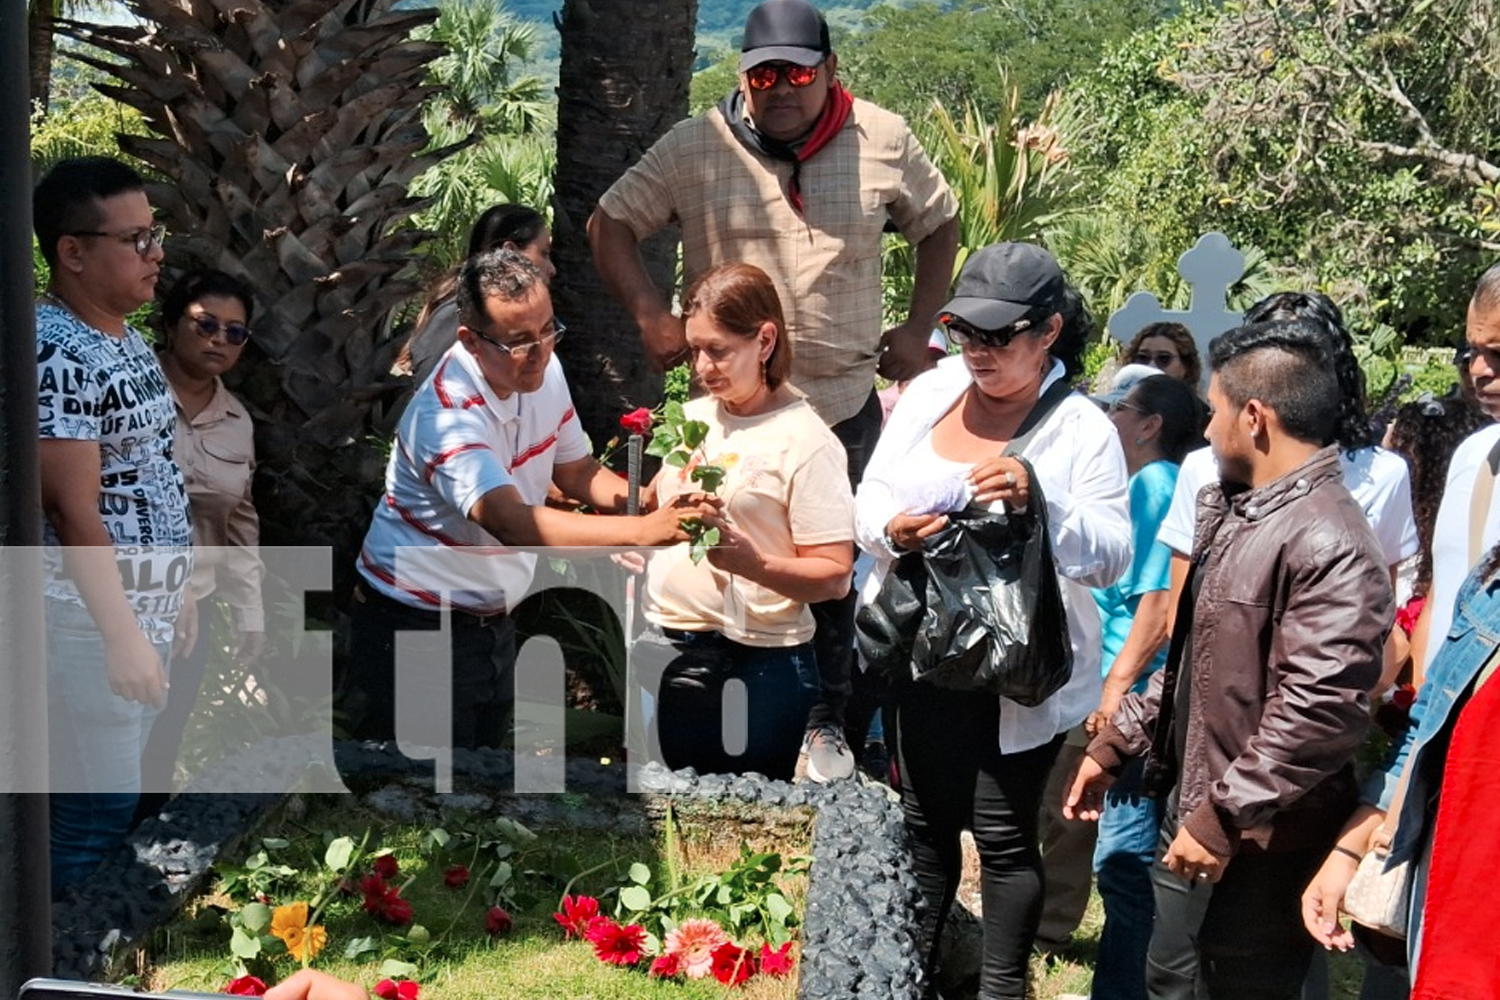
(825, 756)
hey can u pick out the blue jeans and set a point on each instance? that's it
(694, 726)
(1128, 831)
(95, 739)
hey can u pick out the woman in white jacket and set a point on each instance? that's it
(970, 761)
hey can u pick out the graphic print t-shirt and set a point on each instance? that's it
(94, 387)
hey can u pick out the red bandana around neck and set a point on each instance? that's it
(830, 123)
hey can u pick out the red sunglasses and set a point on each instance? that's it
(764, 76)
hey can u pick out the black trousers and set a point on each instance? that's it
(833, 641)
(953, 778)
(484, 664)
(1239, 939)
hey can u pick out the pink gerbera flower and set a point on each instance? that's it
(693, 942)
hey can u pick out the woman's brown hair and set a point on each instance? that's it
(1187, 348)
(739, 298)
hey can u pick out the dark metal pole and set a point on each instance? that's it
(25, 911)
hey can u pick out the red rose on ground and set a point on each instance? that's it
(666, 966)
(497, 922)
(637, 421)
(576, 914)
(732, 964)
(372, 887)
(456, 877)
(615, 944)
(246, 986)
(389, 989)
(778, 962)
(397, 910)
(387, 867)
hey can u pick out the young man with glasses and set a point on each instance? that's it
(117, 554)
(796, 176)
(476, 451)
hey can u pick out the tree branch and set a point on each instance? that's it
(1468, 166)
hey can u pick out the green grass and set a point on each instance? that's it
(462, 963)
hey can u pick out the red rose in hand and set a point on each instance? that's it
(387, 867)
(1404, 697)
(778, 962)
(456, 877)
(246, 986)
(389, 989)
(615, 944)
(497, 922)
(732, 964)
(637, 421)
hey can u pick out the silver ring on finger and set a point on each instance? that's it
(1010, 479)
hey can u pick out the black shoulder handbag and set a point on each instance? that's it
(979, 608)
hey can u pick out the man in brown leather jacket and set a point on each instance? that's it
(1251, 727)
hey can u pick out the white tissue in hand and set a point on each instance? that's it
(937, 496)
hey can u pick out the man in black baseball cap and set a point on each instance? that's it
(784, 31)
(792, 173)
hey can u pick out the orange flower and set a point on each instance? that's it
(290, 924)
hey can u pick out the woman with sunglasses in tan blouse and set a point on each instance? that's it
(205, 325)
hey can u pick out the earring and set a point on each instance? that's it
(1139, 442)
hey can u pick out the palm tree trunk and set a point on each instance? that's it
(623, 83)
(39, 14)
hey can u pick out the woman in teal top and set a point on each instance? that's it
(1159, 421)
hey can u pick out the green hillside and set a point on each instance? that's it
(719, 21)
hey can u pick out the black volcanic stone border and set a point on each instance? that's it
(858, 933)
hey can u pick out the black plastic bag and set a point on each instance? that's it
(992, 617)
(885, 629)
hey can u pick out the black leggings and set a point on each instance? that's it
(954, 777)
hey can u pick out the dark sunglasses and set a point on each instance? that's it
(208, 327)
(764, 76)
(965, 334)
(1156, 359)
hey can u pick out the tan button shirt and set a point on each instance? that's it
(731, 205)
(216, 452)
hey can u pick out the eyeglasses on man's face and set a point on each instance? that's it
(142, 239)
(1468, 353)
(764, 76)
(523, 350)
(966, 334)
(208, 327)
(1156, 359)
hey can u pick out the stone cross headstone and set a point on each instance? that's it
(1210, 269)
